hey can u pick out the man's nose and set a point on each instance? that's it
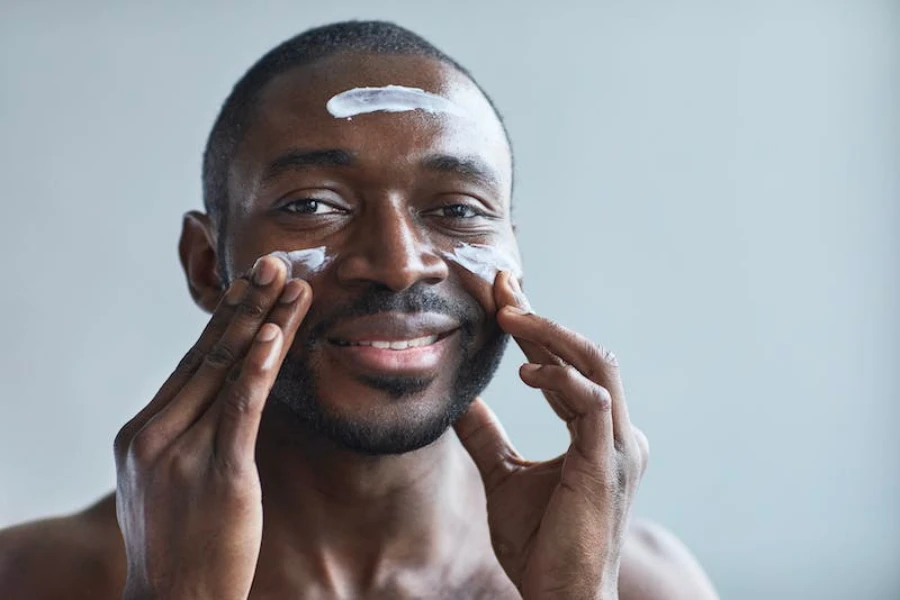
(389, 249)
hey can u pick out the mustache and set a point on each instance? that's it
(377, 299)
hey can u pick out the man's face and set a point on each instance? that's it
(390, 196)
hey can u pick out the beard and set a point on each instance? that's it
(397, 428)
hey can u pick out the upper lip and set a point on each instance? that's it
(392, 326)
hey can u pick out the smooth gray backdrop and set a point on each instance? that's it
(708, 188)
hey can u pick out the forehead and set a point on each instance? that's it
(291, 114)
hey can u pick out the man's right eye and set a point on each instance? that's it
(310, 206)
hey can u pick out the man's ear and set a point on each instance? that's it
(197, 250)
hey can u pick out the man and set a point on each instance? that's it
(324, 438)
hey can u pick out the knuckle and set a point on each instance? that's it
(643, 442)
(181, 467)
(602, 398)
(143, 447)
(190, 361)
(252, 308)
(555, 332)
(240, 402)
(568, 373)
(221, 355)
(594, 355)
(631, 464)
(234, 373)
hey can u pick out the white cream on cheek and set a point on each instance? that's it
(305, 263)
(390, 98)
(484, 261)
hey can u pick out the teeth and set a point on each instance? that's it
(398, 345)
(423, 341)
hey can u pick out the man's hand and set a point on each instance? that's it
(188, 495)
(558, 527)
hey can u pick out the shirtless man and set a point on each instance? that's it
(324, 437)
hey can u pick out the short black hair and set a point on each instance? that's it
(236, 115)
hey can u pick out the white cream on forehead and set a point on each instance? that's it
(390, 98)
(484, 261)
(306, 262)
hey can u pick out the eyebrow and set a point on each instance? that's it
(298, 160)
(468, 167)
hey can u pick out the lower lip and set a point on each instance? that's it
(384, 361)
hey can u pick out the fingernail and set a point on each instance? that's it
(264, 272)
(282, 256)
(268, 332)
(235, 292)
(515, 310)
(291, 292)
(530, 368)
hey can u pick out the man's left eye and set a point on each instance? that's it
(458, 211)
(310, 206)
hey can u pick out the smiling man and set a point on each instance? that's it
(324, 437)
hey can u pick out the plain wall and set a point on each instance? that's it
(710, 189)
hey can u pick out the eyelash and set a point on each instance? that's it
(287, 207)
(465, 207)
(290, 208)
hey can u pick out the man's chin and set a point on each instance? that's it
(400, 424)
(397, 387)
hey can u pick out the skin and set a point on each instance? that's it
(220, 495)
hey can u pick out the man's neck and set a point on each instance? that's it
(352, 523)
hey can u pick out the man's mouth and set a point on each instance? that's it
(393, 344)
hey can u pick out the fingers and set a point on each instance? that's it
(508, 292)
(188, 364)
(484, 439)
(594, 363)
(241, 408)
(590, 404)
(267, 283)
(235, 416)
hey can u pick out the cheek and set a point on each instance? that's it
(478, 265)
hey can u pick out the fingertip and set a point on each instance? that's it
(306, 286)
(268, 333)
(283, 259)
(304, 300)
(498, 290)
(292, 291)
(529, 370)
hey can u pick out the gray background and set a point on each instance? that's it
(708, 188)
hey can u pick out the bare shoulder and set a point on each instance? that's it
(656, 565)
(76, 556)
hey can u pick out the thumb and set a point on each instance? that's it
(484, 439)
